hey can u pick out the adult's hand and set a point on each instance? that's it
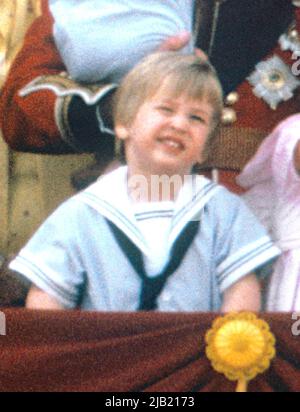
(178, 42)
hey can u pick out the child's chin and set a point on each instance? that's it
(172, 171)
(169, 165)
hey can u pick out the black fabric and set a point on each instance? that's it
(246, 31)
(152, 287)
(84, 128)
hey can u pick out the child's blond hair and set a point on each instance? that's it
(181, 74)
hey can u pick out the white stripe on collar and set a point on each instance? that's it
(194, 195)
(109, 197)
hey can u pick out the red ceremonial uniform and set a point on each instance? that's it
(250, 118)
(36, 99)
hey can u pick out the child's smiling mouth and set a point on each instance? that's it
(172, 143)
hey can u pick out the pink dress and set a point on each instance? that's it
(273, 193)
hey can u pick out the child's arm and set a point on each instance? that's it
(242, 295)
(297, 157)
(38, 299)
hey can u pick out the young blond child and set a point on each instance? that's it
(151, 235)
(272, 181)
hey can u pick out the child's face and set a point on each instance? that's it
(167, 135)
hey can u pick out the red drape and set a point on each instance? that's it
(92, 351)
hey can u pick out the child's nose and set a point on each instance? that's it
(179, 121)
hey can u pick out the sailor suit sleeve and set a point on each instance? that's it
(51, 259)
(42, 110)
(242, 244)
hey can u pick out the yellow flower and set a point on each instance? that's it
(240, 345)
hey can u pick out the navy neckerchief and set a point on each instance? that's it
(152, 287)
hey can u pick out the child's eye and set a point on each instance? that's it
(165, 109)
(197, 118)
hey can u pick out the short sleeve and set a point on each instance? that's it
(51, 258)
(286, 178)
(242, 244)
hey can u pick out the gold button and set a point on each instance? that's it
(293, 34)
(228, 116)
(232, 98)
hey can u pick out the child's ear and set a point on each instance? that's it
(122, 132)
